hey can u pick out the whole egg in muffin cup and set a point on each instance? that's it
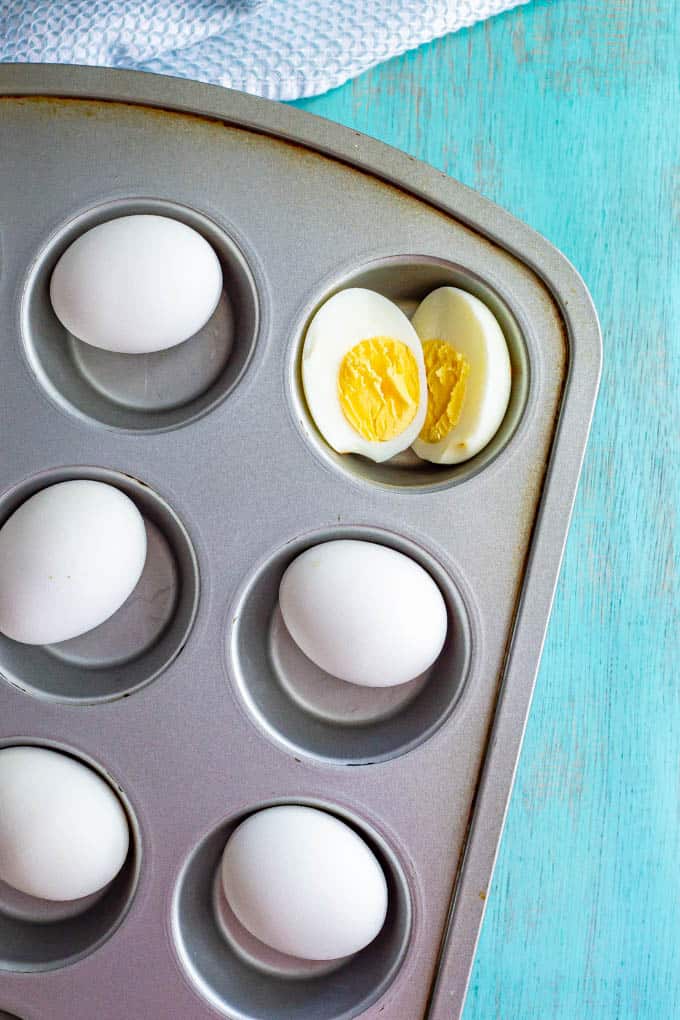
(468, 375)
(363, 374)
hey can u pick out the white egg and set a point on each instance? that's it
(136, 284)
(363, 375)
(363, 612)
(63, 831)
(304, 883)
(69, 558)
(468, 370)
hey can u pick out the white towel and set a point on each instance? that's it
(282, 49)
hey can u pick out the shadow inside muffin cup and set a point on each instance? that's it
(39, 935)
(272, 986)
(407, 280)
(23, 907)
(143, 637)
(312, 713)
(256, 953)
(142, 392)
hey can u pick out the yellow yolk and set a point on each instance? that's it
(447, 372)
(379, 388)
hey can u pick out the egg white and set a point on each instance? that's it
(463, 321)
(343, 321)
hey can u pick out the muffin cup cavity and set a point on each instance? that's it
(300, 706)
(37, 935)
(244, 980)
(142, 392)
(406, 280)
(143, 637)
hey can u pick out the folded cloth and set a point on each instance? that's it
(282, 49)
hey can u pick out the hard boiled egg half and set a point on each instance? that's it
(363, 374)
(376, 384)
(468, 375)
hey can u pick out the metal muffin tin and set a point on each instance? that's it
(191, 700)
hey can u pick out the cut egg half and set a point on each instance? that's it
(468, 375)
(363, 374)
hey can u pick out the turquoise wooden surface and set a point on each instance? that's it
(568, 113)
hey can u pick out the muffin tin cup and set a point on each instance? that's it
(142, 392)
(143, 637)
(236, 717)
(246, 981)
(38, 935)
(313, 713)
(406, 280)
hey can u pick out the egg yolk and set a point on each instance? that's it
(379, 388)
(447, 373)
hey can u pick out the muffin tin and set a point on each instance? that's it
(192, 701)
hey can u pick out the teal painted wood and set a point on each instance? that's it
(568, 114)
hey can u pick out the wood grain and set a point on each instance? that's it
(568, 113)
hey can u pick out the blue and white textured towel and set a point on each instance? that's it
(282, 49)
